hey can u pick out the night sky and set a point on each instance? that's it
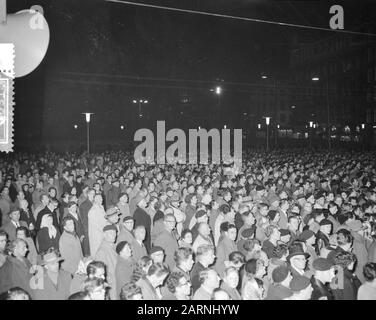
(102, 55)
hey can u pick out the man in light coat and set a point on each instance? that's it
(107, 254)
(97, 222)
(70, 246)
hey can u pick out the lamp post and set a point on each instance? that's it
(267, 121)
(310, 134)
(140, 102)
(87, 117)
(276, 135)
(218, 92)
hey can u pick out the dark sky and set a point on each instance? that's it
(102, 55)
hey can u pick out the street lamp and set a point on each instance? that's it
(140, 102)
(75, 126)
(363, 126)
(87, 117)
(267, 121)
(310, 134)
(121, 127)
(259, 126)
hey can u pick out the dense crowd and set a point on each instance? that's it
(289, 225)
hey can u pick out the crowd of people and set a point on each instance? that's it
(291, 225)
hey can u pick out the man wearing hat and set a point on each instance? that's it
(285, 236)
(324, 274)
(167, 240)
(113, 193)
(112, 216)
(141, 217)
(190, 209)
(279, 289)
(309, 238)
(56, 282)
(323, 235)
(125, 265)
(301, 288)
(107, 254)
(297, 260)
(126, 230)
(245, 235)
(123, 205)
(157, 254)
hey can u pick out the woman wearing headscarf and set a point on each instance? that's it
(48, 236)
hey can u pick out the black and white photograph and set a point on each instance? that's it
(187, 150)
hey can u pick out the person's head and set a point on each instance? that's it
(18, 248)
(95, 288)
(169, 222)
(346, 260)
(297, 258)
(68, 224)
(22, 233)
(124, 250)
(186, 236)
(229, 230)
(285, 235)
(308, 237)
(128, 223)
(109, 233)
(80, 295)
(14, 215)
(52, 192)
(96, 269)
(157, 273)
(184, 259)
(220, 294)
(91, 194)
(157, 254)
(369, 271)
(178, 284)
(264, 209)
(301, 288)
(282, 275)
(255, 268)
(273, 233)
(326, 226)
(294, 223)
(3, 240)
(205, 255)
(345, 239)
(231, 277)
(281, 251)
(324, 270)
(131, 291)
(140, 233)
(51, 260)
(204, 229)
(17, 293)
(209, 278)
(236, 259)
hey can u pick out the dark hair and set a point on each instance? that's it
(369, 271)
(185, 232)
(129, 290)
(138, 272)
(158, 269)
(348, 237)
(344, 259)
(93, 266)
(65, 219)
(251, 266)
(173, 280)
(3, 234)
(280, 250)
(26, 230)
(81, 295)
(236, 257)
(91, 284)
(182, 254)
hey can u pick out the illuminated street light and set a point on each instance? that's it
(87, 118)
(75, 126)
(278, 126)
(293, 107)
(363, 125)
(225, 126)
(315, 78)
(218, 90)
(121, 127)
(267, 121)
(259, 126)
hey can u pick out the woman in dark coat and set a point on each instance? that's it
(48, 236)
(346, 283)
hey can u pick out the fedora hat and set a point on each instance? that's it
(51, 257)
(296, 251)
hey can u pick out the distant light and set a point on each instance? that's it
(278, 126)
(140, 115)
(293, 107)
(259, 126)
(146, 101)
(199, 128)
(245, 113)
(134, 101)
(264, 77)
(87, 116)
(315, 79)
(225, 126)
(363, 125)
(311, 124)
(218, 90)
(314, 126)
(75, 126)
(267, 120)
(122, 127)
(141, 101)
(374, 127)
